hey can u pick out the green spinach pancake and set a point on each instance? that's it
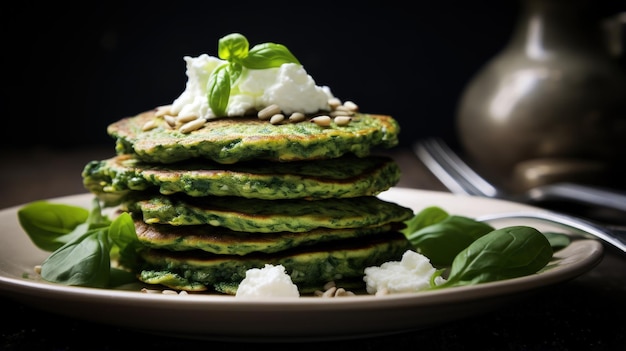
(235, 139)
(266, 216)
(219, 240)
(346, 176)
(310, 267)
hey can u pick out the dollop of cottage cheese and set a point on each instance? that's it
(269, 281)
(411, 274)
(288, 86)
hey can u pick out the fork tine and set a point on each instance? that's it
(439, 165)
(453, 172)
(482, 187)
(439, 169)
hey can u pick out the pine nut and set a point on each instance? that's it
(151, 124)
(334, 103)
(322, 121)
(170, 120)
(192, 125)
(351, 106)
(330, 292)
(268, 112)
(342, 120)
(162, 110)
(297, 117)
(277, 118)
(185, 119)
(341, 113)
(329, 285)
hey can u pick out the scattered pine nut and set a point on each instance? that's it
(185, 119)
(170, 120)
(330, 292)
(322, 121)
(297, 117)
(329, 285)
(151, 124)
(341, 113)
(334, 103)
(342, 120)
(193, 125)
(150, 291)
(277, 118)
(351, 106)
(162, 110)
(268, 112)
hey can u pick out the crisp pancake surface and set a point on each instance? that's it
(223, 241)
(346, 176)
(235, 139)
(267, 216)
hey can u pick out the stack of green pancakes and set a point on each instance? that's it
(240, 193)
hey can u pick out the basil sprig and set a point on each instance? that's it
(82, 243)
(234, 49)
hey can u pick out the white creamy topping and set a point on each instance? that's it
(288, 86)
(411, 274)
(269, 281)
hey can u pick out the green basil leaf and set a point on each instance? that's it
(424, 218)
(442, 241)
(46, 223)
(234, 72)
(268, 55)
(218, 87)
(82, 262)
(232, 47)
(505, 253)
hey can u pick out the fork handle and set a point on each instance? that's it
(582, 194)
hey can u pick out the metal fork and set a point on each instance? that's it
(460, 178)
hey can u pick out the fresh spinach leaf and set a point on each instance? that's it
(82, 256)
(50, 225)
(82, 262)
(443, 240)
(425, 217)
(505, 253)
(124, 237)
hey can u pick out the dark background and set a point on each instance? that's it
(69, 71)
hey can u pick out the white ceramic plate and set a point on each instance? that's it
(305, 318)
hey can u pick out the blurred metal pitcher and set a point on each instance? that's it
(556, 94)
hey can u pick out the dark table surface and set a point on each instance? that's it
(585, 313)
